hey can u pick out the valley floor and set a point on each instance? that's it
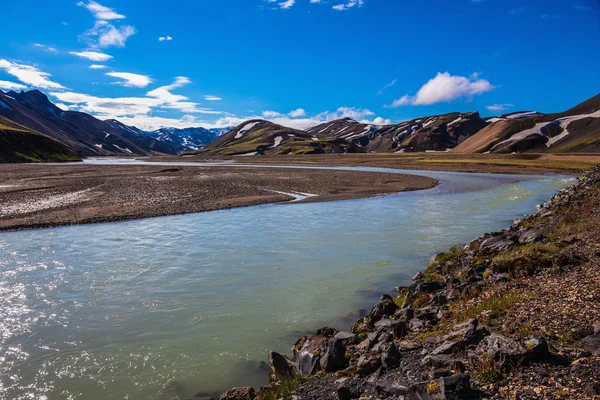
(34, 196)
(438, 161)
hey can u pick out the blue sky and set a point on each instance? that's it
(301, 62)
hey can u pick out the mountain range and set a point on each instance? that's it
(30, 119)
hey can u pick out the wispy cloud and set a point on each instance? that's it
(348, 5)
(98, 66)
(283, 4)
(208, 97)
(6, 85)
(101, 12)
(131, 80)
(29, 75)
(387, 86)
(444, 88)
(499, 107)
(165, 38)
(104, 34)
(299, 112)
(47, 48)
(91, 55)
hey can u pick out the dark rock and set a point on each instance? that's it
(390, 356)
(389, 387)
(344, 393)
(426, 287)
(570, 239)
(386, 306)
(367, 364)
(458, 385)
(242, 393)
(496, 244)
(280, 366)
(397, 328)
(443, 361)
(418, 276)
(347, 338)
(538, 348)
(530, 236)
(592, 344)
(406, 314)
(334, 358)
(592, 389)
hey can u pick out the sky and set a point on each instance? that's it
(217, 63)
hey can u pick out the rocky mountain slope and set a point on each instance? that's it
(574, 131)
(19, 144)
(259, 137)
(87, 135)
(512, 315)
(435, 133)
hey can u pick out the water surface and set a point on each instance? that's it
(173, 306)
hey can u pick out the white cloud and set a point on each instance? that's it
(163, 38)
(499, 107)
(444, 88)
(104, 34)
(47, 48)
(100, 12)
(29, 75)
(350, 4)
(6, 85)
(131, 80)
(284, 4)
(212, 98)
(62, 106)
(271, 114)
(387, 86)
(91, 55)
(98, 66)
(139, 111)
(299, 112)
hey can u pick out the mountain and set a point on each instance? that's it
(19, 144)
(178, 140)
(574, 131)
(85, 134)
(434, 133)
(257, 137)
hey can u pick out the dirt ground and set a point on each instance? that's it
(35, 196)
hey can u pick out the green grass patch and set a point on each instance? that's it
(527, 259)
(283, 389)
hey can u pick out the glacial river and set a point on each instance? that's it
(165, 308)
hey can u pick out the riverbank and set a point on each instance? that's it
(32, 196)
(526, 164)
(513, 314)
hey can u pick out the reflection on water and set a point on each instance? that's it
(169, 307)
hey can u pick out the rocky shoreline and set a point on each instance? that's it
(513, 315)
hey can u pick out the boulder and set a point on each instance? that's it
(592, 344)
(390, 356)
(367, 364)
(389, 387)
(496, 244)
(241, 393)
(308, 351)
(505, 351)
(334, 358)
(538, 348)
(419, 287)
(347, 338)
(385, 306)
(530, 236)
(397, 328)
(280, 366)
(429, 390)
(457, 386)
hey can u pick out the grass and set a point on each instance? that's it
(488, 309)
(282, 389)
(487, 370)
(527, 259)
(18, 145)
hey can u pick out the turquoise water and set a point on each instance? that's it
(168, 307)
